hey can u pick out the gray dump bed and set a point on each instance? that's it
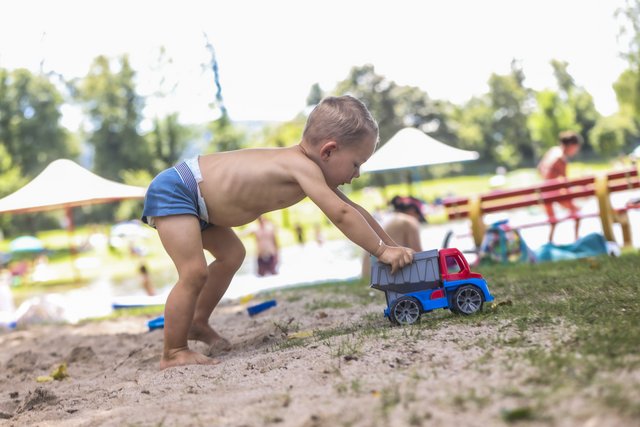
(423, 273)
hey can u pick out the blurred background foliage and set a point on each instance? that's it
(511, 125)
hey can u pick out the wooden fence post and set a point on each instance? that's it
(477, 223)
(606, 213)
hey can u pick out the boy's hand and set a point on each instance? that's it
(397, 257)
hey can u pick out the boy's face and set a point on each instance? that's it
(341, 163)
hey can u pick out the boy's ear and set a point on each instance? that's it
(327, 149)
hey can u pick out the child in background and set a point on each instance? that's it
(195, 204)
(554, 166)
(266, 246)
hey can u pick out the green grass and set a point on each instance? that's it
(598, 296)
(592, 304)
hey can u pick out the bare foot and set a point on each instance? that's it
(207, 335)
(185, 357)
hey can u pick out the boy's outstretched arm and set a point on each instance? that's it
(386, 239)
(350, 221)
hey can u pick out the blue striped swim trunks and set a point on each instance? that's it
(174, 191)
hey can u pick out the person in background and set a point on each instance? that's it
(299, 233)
(146, 279)
(266, 246)
(317, 228)
(554, 166)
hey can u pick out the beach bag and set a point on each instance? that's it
(502, 245)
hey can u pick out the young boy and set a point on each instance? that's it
(554, 165)
(195, 204)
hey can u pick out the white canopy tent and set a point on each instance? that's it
(65, 184)
(410, 148)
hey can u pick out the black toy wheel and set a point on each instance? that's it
(405, 311)
(467, 300)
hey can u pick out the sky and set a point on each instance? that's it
(270, 53)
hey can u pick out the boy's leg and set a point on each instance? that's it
(229, 253)
(180, 236)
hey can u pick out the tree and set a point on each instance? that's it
(11, 177)
(30, 128)
(225, 136)
(376, 92)
(551, 117)
(509, 137)
(315, 95)
(393, 106)
(630, 31)
(472, 124)
(628, 93)
(115, 111)
(577, 99)
(167, 142)
(284, 134)
(619, 132)
(10, 180)
(613, 133)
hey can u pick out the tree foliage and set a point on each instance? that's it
(395, 106)
(167, 141)
(612, 134)
(618, 133)
(114, 108)
(577, 99)
(377, 93)
(284, 134)
(472, 124)
(552, 116)
(30, 129)
(509, 136)
(225, 136)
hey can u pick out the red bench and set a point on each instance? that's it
(601, 186)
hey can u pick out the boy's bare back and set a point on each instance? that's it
(239, 186)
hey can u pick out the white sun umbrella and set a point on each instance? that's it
(411, 148)
(64, 184)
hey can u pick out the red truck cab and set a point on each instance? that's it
(454, 266)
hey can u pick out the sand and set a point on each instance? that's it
(309, 361)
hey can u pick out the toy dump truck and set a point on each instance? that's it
(435, 279)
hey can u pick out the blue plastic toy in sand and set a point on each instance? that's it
(255, 309)
(157, 323)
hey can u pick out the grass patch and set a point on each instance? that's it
(322, 304)
(572, 324)
(598, 296)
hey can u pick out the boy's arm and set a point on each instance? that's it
(346, 217)
(386, 239)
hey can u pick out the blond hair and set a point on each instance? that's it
(343, 119)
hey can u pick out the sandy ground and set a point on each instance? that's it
(355, 370)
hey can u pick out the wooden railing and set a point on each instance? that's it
(600, 186)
